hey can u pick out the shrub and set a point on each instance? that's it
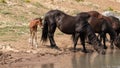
(79, 0)
(110, 9)
(27, 1)
(2, 1)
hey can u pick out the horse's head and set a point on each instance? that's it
(117, 42)
(39, 22)
(98, 46)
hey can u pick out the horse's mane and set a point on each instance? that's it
(59, 12)
(39, 18)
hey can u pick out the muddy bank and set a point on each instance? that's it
(11, 55)
(64, 60)
(20, 54)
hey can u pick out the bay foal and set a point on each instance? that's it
(33, 25)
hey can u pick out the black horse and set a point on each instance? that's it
(77, 26)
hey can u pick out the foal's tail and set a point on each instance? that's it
(44, 31)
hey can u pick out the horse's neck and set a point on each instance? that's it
(92, 37)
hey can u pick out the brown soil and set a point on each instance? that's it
(20, 52)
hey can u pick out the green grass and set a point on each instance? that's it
(109, 9)
(5, 12)
(27, 1)
(12, 33)
(5, 40)
(1, 23)
(14, 30)
(79, 0)
(2, 1)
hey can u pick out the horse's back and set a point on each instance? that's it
(95, 14)
(64, 22)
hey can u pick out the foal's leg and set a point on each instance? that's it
(35, 41)
(33, 36)
(82, 38)
(30, 38)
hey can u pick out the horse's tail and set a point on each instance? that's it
(44, 31)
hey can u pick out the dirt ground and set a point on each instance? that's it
(20, 52)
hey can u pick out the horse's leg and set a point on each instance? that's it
(111, 42)
(82, 39)
(51, 31)
(100, 36)
(76, 36)
(33, 38)
(104, 40)
(35, 41)
(30, 37)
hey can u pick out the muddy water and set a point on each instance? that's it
(74, 60)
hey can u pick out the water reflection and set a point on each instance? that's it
(78, 60)
(94, 60)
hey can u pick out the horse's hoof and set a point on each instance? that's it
(111, 47)
(85, 51)
(105, 47)
(74, 51)
(55, 47)
(101, 52)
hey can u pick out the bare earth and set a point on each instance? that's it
(20, 53)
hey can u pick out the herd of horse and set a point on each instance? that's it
(84, 26)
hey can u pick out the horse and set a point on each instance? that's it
(76, 26)
(102, 25)
(114, 21)
(115, 24)
(33, 25)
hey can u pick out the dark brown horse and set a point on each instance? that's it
(102, 25)
(77, 26)
(111, 19)
(115, 24)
